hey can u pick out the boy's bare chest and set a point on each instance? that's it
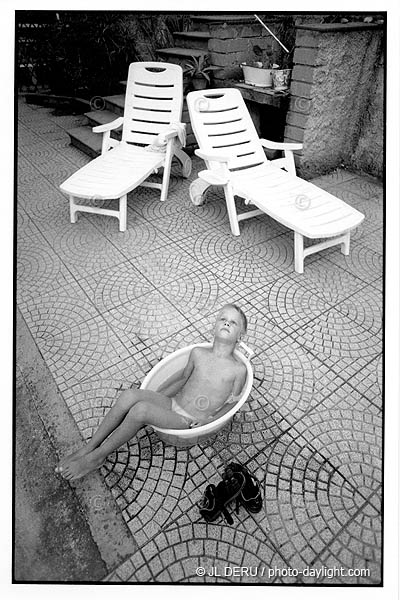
(215, 371)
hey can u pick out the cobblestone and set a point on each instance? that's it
(105, 307)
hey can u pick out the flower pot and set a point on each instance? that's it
(257, 76)
(199, 83)
(281, 79)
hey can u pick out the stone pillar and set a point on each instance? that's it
(368, 154)
(334, 73)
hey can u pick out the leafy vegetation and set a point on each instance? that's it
(87, 53)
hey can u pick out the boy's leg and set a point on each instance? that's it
(116, 414)
(121, 408)
(146, 412)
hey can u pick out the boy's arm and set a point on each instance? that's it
(175, 383)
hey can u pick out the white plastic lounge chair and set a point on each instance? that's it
(235, 159)
(151, 124)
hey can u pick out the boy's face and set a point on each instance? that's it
(229, 324)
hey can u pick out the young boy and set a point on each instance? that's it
(211, 381)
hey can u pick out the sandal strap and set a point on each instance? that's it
(227, 516)
(249, 480)
(256, 485)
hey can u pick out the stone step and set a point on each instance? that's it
(100, 117)
(115, 104)
(192, 39)
(204, 22)
(223, 18)
(86, 141)
(181, 55)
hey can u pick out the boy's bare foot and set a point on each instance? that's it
(66, 460)
(82, 466)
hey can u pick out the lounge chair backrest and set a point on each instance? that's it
(222, 124)
(154, 97)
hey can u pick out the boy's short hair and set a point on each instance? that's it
(241, 313)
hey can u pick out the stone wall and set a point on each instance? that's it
(368, 153)
(336, 106)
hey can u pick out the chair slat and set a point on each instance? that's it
(154, 96)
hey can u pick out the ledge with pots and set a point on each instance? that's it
(264, 95)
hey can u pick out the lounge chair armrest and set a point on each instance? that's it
(212, 156)
(175, 130)
(108, 126)
(280, 145)
(216, 177)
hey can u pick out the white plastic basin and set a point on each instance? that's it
(174, 363)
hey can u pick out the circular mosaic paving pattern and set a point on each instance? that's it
(351, 441)
(362, 262)
(83, 250)
(209, 246)
(139, 238)
(339, 342)
(197, 294)
(365, 309)
(288, 304)
(307, 501)
(206, 554)
(150, 317)
(146, 202)
(259, 230)
(82, 351)
(39, 270)
(213, 210)
(181, 225)
(147, 480)
(358, 548)
(52, 313)
(278, 252)
(245, 272)
(291, 380)
(117, 285)
(330, 282)
(168, 264)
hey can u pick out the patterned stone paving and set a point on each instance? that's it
(105, 307)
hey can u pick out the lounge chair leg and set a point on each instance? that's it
(122, 212)
(345, 246)
(167, 170)
(72, 209)
(230, 205)
(185, 161)
(298, 252)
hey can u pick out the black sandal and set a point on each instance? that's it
(216, 498)
(250, 495)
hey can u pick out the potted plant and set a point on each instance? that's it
(258, 73)
(282, 71)
(198, 69)
(281, 79)
(281, 74)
